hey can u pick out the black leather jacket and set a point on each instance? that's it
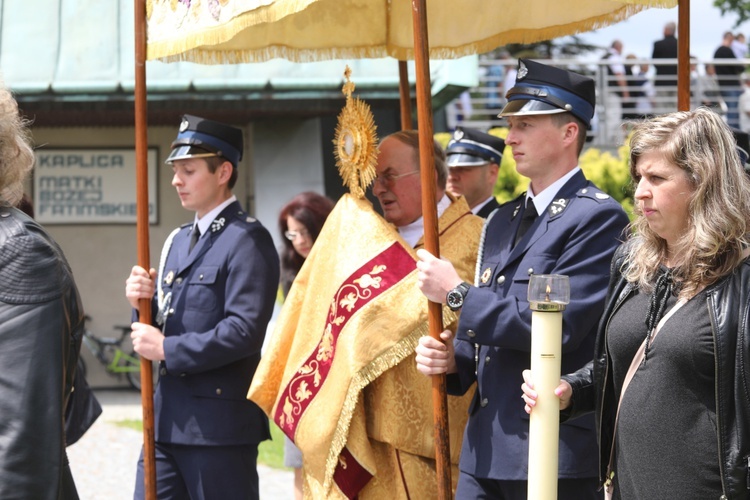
(728, 304)
(41, 322)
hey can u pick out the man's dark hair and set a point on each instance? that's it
(215, 162)
(561, 119)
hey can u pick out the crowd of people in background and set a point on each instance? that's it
(635, 88)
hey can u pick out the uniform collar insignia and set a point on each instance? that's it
(557, 207)
(218, 224)
(515, 211)
(522, 71)
(486, 274)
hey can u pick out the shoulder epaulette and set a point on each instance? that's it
(594, 193)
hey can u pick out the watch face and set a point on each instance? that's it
(454, 299)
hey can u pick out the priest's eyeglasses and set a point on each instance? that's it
(293, 235)
(389, 178)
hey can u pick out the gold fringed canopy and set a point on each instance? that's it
(236, 31)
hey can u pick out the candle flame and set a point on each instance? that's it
(546, 293)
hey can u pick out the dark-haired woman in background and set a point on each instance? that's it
(300, 222)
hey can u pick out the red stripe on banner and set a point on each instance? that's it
(350, 477)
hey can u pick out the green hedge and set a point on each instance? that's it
(607, 171)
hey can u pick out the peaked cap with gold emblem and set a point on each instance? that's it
(202, 138)
(542, 90)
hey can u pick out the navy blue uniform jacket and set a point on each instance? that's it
(223, 294)
(576, 236)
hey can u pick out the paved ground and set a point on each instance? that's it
(103, 461)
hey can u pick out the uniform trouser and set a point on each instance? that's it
(202, 472)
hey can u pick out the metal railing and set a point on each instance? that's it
(478, 107)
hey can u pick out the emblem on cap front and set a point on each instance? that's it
(458, 135)
(184, 125)
(522, 71)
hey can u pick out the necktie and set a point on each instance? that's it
(194, 235)
(527, 219)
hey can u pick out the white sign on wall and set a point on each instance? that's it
(90, 186)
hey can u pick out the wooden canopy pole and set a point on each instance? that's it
(144, 305)
(404, 95)
(429, 213)
(683, 55)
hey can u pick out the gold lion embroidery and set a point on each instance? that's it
(367, 281)
(325, 351)
(287, 419)
(363, 283)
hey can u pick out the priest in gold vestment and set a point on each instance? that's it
(338, 375)
(398, 404)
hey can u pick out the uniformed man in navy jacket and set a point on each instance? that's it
(564, 225)
(473, 158)
(213, 296)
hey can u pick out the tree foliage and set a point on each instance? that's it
(741, 8)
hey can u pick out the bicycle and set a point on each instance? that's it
(108, 351)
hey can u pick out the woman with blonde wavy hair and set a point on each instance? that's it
(16, 156)
(41, 324)
(670, 378)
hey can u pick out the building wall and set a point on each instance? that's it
(287, 160)
(281, 158)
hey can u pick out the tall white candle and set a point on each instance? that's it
(544, 425)
(548, 295)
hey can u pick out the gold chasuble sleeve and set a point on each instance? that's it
(353, 313)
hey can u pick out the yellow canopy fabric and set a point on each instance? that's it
(236, 31)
